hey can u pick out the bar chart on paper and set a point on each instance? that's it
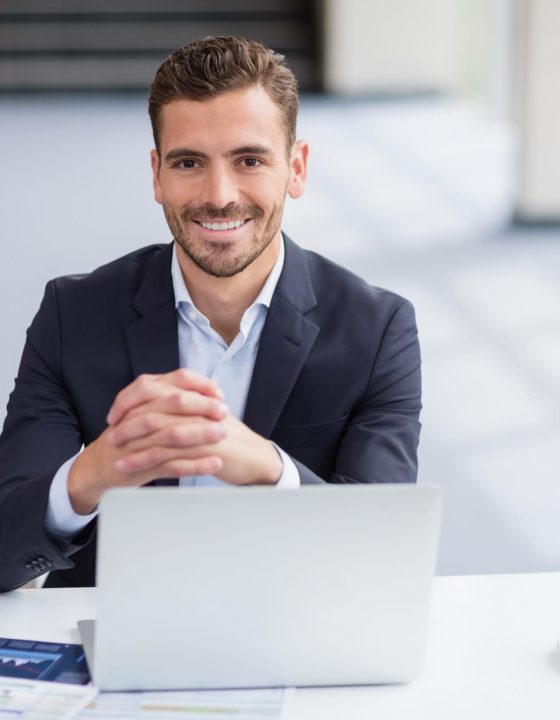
(195, 705)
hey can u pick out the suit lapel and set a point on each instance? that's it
(152, 342)
(286, 341)
(152, 339)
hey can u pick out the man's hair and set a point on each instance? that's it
(216, 64)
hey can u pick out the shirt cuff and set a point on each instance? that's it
(61, 521)
(290, 474)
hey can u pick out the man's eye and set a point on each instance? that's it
(251, 162)
(186, 164)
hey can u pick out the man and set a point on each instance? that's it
(230, 356)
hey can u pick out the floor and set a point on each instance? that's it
(415, 196)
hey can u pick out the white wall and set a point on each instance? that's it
(539, 110)
(72, 196)
(460, 47)
(486, 44)
(391, 45)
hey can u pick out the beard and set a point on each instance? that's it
(223, 259)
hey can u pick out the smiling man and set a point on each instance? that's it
(229, 357)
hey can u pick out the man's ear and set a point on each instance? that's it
(154, 158)
(298, 169)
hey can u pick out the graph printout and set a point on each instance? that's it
(194, 705)
(34, 660)
(32, 700)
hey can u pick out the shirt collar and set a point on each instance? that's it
(263, 298)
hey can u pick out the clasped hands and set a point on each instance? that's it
(170, 425)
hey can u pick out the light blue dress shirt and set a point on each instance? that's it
(203, 350)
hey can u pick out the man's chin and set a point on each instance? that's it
(219, 267)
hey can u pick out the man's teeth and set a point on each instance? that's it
(231, 225)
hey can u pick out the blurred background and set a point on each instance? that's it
(435, 172)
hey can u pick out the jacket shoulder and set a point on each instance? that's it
(124, 273)
(334, 284)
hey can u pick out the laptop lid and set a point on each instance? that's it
(255, 587)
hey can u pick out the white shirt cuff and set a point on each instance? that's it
(290, 474)
(61, 521)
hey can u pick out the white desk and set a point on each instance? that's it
(492, 651)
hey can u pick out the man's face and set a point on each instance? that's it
(222, 176)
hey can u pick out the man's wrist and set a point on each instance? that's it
(61, 521)
(84, 495)
(273, 467)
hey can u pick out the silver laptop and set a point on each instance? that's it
(255, 587)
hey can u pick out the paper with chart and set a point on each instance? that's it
(36, 700)
(38, 660)
(194, 705)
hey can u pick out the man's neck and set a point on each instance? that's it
(224, 300)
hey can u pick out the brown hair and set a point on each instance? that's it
(211, 66)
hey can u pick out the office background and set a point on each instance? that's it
(434, 172)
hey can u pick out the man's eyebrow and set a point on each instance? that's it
(178, 153)
(250, 150)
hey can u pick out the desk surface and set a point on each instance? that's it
(492, 651)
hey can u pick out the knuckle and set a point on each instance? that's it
(179, 467)
(144, 381)
(209, 466)
(118, 436)
(184, 374)
(176, 400)
(131, 463)
(151, 422)
(155, 455)
(216, 430)
(119, 399)
(215, 408)
(206, 428)
(204, 404)
(175, 435)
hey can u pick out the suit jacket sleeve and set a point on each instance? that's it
(379, 443)
(41, 432)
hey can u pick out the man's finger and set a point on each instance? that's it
(150, 459)
(177, 467)
(168, 430)
(182, 403)
(189, 380)
(148, 387)
(184, 468)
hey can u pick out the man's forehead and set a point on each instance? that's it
(234, 118)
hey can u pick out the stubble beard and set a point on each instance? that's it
(218, 260)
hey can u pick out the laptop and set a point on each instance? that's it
(254, 587)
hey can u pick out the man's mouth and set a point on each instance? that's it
(226, 225)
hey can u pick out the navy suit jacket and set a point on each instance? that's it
(336, 384)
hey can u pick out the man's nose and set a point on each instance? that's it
(221, 187)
